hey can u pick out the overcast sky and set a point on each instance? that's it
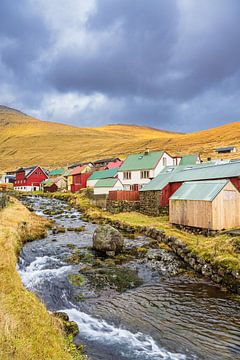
(170, 64)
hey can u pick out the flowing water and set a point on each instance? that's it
(165, 316)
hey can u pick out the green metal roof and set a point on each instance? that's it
(189, 159)
(141, 161)
(48, 182)
(106, 183)
(56, 172)
(103, 174)
(199, 190)
(204, 171)
(201, 172)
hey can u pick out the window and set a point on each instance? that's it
(127, 175)
(145, 174)
(164, 161)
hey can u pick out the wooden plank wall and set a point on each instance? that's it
(226, 209)
(191, 213)
(222, 213)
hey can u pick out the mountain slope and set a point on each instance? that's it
(26, 141)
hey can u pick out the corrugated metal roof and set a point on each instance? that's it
(143, 161)
(56, 172)
(77, 170)
(106, 182)
(204, 171)
(199, 190)
(189, 159)
(209, 172)
(103, 174)
(228, 148)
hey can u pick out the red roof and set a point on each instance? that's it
(113, 165)
(77, 170)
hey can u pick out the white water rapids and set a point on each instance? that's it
(139, 345)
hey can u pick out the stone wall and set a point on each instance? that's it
(150, 203)
(220, 275)
(115, 207)
(99, 201)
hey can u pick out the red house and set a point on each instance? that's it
(29, 179)
(77, 178)
(155, 195)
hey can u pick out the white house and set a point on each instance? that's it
(101, 174)
(103, 186)
(139, 169)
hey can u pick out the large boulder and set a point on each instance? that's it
(108, 240)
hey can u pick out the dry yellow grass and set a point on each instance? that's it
(26, 141)
(27, 331)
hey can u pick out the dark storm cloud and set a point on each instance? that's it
(130, 59)
(23, 35)
(165, 63)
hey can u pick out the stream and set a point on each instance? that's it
(144, 306)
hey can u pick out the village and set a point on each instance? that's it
(198, 195)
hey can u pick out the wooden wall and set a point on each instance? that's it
(222, 213)
(226, 208)
(191, 213)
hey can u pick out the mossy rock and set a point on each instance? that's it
(119, 278)
(71, 246)
(76, 279)
(70, 327)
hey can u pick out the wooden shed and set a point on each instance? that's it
(213, 205)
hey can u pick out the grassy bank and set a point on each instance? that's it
(222, 250)
(27, 330)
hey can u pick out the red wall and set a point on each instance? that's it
(79, 182)
(167, 192)
(236, 181)
(33, 180)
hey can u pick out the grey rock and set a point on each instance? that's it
(107, 239)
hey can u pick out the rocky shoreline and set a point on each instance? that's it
(222, 276)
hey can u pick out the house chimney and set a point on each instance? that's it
(146, 152)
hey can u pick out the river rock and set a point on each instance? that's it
(108, 240)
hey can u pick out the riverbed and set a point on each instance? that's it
(161, 311)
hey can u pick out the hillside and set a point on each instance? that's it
(25, 141)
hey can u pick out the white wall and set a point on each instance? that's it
(136, 174)
(26, 188)
(91, 183)
(105, 190)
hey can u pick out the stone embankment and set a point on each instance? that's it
(228, 278)
(223, 276)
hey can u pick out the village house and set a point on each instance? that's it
(113, 165)
(104, 186)
(212, 205)
(103, 163)
(138, 169)
(101, 174)
(154, 197)
(77, 178)
(30, 178)
(226, 150)
(54, 184)
(56, 173)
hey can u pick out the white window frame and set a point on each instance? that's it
(145, 174)
(127, 175)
